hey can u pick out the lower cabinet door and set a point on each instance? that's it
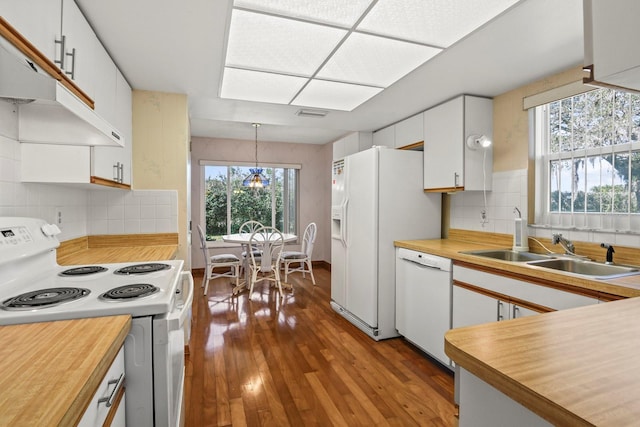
(473, 308)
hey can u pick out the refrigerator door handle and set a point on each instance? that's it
(344, 226)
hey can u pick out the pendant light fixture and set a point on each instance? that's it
(255, 178)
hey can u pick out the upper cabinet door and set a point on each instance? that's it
(449, 164)
(443, 149)
(611, 42)
(81, 45)
(385, 137)
(41, 32)
(410, 131)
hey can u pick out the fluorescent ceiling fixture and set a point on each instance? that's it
(375, 61)
(268, 43)
(337, 12)
(434, 22)
(260, 87)
(334, 95)
(351, 49)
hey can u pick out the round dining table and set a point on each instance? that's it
(243, 239)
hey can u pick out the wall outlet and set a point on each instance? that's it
(58, 218)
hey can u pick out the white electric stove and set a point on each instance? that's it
(158, 295)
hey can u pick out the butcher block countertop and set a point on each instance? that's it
(624, 287)
(578, 367)
(104, 249)
(51, 370)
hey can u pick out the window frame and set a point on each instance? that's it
(620, 222)
(286, 190)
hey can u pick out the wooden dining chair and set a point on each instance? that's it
(266, 265)
(217, 261)
(302, 257)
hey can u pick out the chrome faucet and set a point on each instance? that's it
(569, 249)
(516, 210)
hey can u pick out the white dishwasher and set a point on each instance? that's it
(423, 300)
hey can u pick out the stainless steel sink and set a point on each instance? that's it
(593, 270)
(507, 255)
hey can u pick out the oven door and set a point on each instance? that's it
(168, 357)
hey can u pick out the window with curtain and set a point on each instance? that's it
(588, 160)
(228, 204)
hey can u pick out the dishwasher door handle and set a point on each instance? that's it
(419, 264)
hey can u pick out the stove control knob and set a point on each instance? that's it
(50, 230)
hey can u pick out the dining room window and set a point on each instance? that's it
(228, 204)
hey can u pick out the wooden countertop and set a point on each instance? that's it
(449, 248)
(104, 249)
(572, 367)
(50, 371)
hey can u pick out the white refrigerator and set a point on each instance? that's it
(377, 197)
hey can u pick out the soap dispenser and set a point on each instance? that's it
(520, 237)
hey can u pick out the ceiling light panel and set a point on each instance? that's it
(375, 61)
(260, 87)
(334, 95)
(334, 12)
(438, 23)
(268, 43)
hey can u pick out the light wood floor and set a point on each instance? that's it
(263, 361)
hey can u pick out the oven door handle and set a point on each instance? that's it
(176, 319)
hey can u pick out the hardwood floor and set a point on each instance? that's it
(263, 361)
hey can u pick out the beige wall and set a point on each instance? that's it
(315, 180)
(510, 121)
(161, 151)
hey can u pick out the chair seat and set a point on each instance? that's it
(293, 255)
(256, 253)
(224, 258)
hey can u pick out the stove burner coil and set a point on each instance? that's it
(44, 298)
(83, 271)
(142, 268)
(127, 292)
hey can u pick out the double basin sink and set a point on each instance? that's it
(581, 267)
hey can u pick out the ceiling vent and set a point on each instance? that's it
(308, 112)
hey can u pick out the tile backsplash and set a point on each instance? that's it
(509, 191)
(83, 211)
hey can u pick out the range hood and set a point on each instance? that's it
(47, 111)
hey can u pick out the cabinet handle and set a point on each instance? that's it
(116, 171)
(121, 172)
(515, 312)
(456, 175)
(499, 314)
(61, 42)
(72, 73)
(109, 400)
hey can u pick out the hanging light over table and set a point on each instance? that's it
(255, 179)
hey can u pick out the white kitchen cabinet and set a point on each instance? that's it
(473, 308)
(351, 144)
(385, 137)
(493, 297)
(409, 131)
(114, 163)
(41, 32)
(449, 164)
(109, 397)
(610, 42)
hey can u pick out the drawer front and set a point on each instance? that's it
(542, 295)
(106, 399)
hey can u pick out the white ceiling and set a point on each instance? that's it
(170, 46)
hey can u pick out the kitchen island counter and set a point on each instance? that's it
(51, 370)
(571, 367)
